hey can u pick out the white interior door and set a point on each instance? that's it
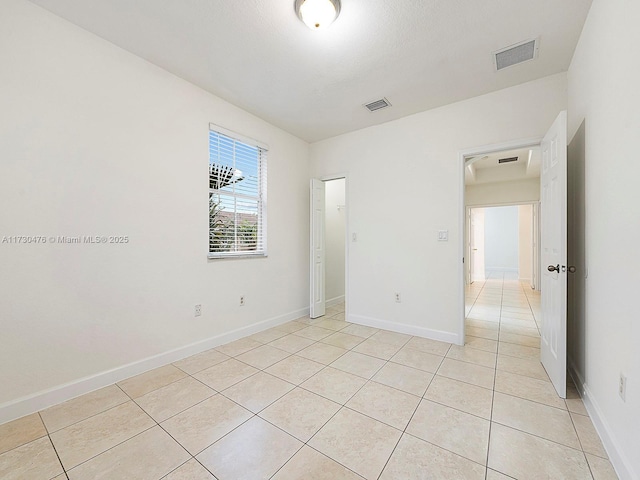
(477, 244)
(535, 245)
(553, 231)
(317, 291)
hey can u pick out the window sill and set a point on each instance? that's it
(214, 256)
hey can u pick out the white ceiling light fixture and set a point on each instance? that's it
(317, 14)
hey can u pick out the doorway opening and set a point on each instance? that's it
(329, 246)
(501, 272)
(501, 241)
(335, 234)
(509, 314)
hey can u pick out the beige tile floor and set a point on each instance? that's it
(326, 399)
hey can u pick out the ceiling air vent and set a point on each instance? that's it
(378, 104)
(515, 54)
(508, 160)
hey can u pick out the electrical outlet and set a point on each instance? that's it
(198, 310)
(622, 387)
(398, 298)
(242, 300)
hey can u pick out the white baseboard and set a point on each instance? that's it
(618, 459)
(578, 380)
(61, 393)
(404, 328)
(334, 301)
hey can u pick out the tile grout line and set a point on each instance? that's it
(183, 464)
(486, 467)
(93, 416)
(532, 311)
(192, 455)
(55, 450)
(342, 406)
(129, 399)
(542, 438)
(114, 446)
(133, 436)
(219, 392)
(493, 391)
(317, 431)
(295, 386)
(404, 431)
(535, 435)
(495, 374)
(584, 454)
(65, 470)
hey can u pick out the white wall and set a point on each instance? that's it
(604, 94)
(517, 191)
(334, 240)
(576, 253)
(525, 242)
(96, 141)
(501, 239)
(405, 184)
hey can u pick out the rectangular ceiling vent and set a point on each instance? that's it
(515, 54)
(508, 160)
(378, 104)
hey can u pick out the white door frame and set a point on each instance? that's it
(462, 156)
(469, 240)
(327, 178)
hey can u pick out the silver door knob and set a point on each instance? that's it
(551, 268)
(572, 269)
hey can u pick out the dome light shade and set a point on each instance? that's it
(317, 14)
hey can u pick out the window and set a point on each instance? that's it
(237, 195)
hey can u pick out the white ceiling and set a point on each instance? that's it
(486, 169)
(258, 55)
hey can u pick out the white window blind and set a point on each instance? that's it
(237, 195)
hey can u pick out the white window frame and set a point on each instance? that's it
(261, 250)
